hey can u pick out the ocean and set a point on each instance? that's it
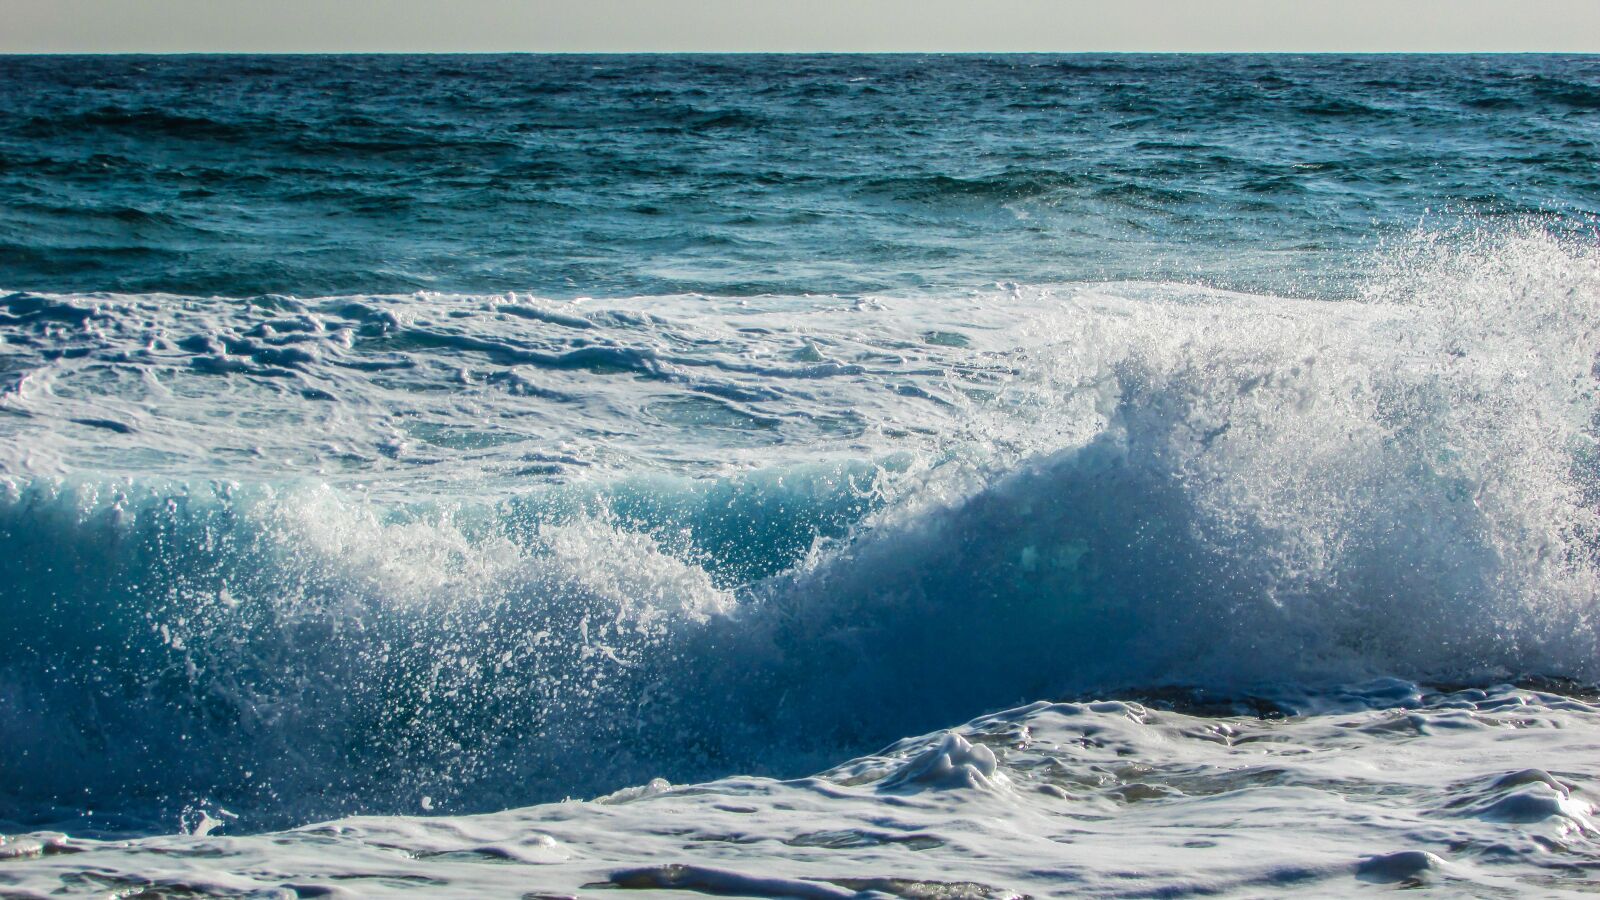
(799, 476)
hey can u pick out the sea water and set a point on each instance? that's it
(789, 476)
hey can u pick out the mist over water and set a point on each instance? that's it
(761, 412)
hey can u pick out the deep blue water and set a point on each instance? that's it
(619, 175)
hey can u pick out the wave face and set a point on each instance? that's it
(497, 550)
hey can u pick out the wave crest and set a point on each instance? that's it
(1168, 485)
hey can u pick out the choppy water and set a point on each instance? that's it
(621, 176)
(427, 437)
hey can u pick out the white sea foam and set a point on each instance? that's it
(1474, 792)
(491, 557)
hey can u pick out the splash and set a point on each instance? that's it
(1113, 486)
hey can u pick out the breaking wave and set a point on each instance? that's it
(1169, 486)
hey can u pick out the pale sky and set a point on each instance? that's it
(797, 25)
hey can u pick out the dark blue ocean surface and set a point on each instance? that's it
(620, 175)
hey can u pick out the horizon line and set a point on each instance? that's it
(1595, 53)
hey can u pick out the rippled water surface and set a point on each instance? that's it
(746, 175)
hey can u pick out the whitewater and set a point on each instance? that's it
(1274, 594)
(906, 476)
